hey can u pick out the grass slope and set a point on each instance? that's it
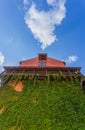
(43, 106)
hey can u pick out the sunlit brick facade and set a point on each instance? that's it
(44, 61)
(42, 65)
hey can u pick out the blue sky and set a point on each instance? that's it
(29, 27)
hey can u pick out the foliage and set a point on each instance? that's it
(43, 105)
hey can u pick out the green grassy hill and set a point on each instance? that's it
(43, 106)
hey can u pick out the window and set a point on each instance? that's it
(42, 64)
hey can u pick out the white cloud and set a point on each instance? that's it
(1, 59)
(42, 24)
(71, 59)
(25, 2)
(51, 2)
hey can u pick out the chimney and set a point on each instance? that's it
(42, 56)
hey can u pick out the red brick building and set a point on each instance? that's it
(42, 65)
(42, 60)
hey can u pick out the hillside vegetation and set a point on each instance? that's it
(43, 106)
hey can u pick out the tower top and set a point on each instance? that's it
(42, 56)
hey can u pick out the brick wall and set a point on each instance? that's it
(49, 62)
